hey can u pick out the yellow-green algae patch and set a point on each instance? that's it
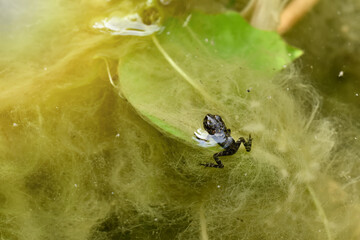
(77, 162)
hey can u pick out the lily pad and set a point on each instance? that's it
(198, 65)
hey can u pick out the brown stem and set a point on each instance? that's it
(293, 12)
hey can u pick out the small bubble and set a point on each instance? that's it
(311, 66)
(284, 66)
(15, 125)
(117, 135)
(218, 186)
(206, 40)
(245, 174)
(341, 73)
(289, 54)
(155, 219)
(167, 33)
(319, 230)
(75, 185)
(355, 138)
(356, 94)
(269, 97)
(287, 89)
(112, 193)
(45, 68)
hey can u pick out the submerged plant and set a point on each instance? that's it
(180, 85)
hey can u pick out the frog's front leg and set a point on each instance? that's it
(217, 160)
(247, 144)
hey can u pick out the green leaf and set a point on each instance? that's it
(204, 64)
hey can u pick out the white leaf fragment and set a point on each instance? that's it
(204, 139)
(129, 25)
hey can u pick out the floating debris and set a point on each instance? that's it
(128, 25)
(187, 20)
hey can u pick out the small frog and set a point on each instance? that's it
(218, 132)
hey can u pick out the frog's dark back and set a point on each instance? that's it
(214, 124)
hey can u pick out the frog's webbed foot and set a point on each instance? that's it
(247, 143)
(217, 160)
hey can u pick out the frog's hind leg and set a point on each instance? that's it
(247, 144)
(217, 160)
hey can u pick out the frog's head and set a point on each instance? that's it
(214, 124)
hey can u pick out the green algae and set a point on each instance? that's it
(187, 89)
